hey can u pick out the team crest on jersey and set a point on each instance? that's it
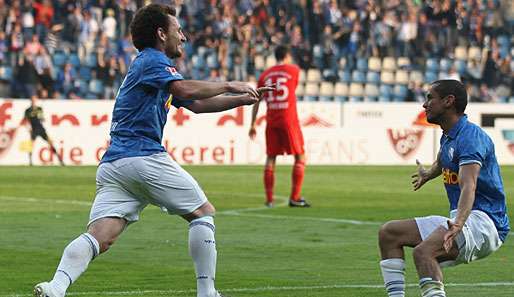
(450, 153)
(172, 70)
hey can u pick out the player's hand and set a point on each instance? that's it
(420, 177)
(240, 87)
(449, 236)
(252, 133)
(248, 99)
(265, 89)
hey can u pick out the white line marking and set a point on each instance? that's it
(229, 212)
(302, 218)
(269, 288)
(57, 201)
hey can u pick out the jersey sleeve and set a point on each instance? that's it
(158, 72)
(472, 148)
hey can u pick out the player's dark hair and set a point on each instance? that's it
(145, 23)
(453, 87)
(281, 51)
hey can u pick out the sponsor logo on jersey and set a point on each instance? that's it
(167, 105)
(450, 177)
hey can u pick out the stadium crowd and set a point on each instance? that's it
(81, 49)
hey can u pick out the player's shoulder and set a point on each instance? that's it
(150, 56)
(473, 133)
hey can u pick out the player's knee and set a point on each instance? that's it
(421, 252)
(386, 233)
(106, 244)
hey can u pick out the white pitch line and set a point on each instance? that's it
(265, 289)
(231, 212)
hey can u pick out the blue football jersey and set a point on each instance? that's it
(467, 143)
(141, 107)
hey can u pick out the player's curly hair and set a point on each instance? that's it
(145, 23)
(445, 87)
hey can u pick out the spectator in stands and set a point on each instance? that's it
(109, 25)
(66, 81)
(44, 68)
(108, 72)
(25, 78)
(44, 12)
(3, 48)
(88, 31)
(33, 47)
(17, 44)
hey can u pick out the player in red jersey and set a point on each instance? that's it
(283, 133)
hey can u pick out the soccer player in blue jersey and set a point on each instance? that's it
(478, 222)
(136, 170)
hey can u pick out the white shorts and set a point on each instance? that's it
(126, 186)
(478, 238)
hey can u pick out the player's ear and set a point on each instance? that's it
(449, 100)
(161, 34)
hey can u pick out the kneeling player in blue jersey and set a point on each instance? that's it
(478, 222)
(136, 170)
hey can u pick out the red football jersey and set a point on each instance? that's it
(281, 102)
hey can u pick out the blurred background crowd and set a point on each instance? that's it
(349, 50)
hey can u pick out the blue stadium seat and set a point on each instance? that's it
(96, 87)
(445, 64)
(430, 76)
(91, 60)
(74, 60)
(400, 92)
(362, 64)
(461, 66)
(83, 87)
(358, 76)
(59, 59)
(373, 77)
(85, 73)
(212, 61)
(6, 73)
(386, 93)
(344, 76)
(432, 65)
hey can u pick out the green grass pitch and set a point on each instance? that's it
(327, 250)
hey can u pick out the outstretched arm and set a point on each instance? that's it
(199, 90)
(423, 175)
(225, 102)
(468, 175)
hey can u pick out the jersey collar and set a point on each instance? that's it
(456, 129)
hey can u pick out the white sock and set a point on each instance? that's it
(393, 271)
(74, 261)
(202, 248)
(431, 288)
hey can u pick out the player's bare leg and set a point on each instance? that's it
(269, 179)
(427, 256)
(202, 248)
(100, 236)
(392, 237)
(51, 144)
(295, 199)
